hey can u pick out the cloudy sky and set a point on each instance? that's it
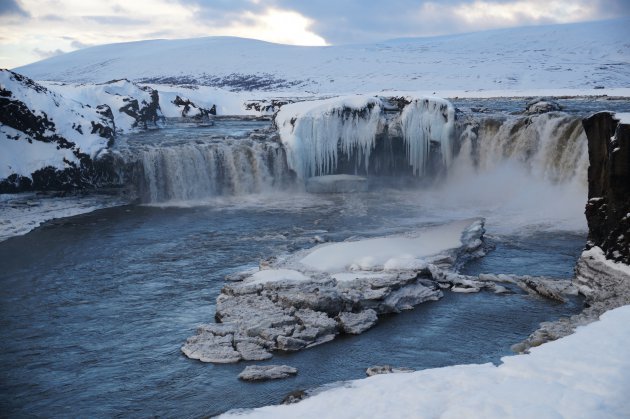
(31, 30)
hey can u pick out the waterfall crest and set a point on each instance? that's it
(195, 171)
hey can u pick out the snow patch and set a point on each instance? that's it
(390, 252)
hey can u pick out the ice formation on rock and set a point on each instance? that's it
(314, 132)
(317, 133)
(425, 120)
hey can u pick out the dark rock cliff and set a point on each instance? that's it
(608, 207)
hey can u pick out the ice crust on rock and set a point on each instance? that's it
(291, 306)
(313, 132)
(425, 120)
(316, 133)
(376, 253)
(578, 376)
(267, 372)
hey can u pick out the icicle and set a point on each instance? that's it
(314, 132)
(425, 120)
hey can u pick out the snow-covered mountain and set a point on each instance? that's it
(572, 56)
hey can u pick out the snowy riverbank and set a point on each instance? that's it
(580, 376)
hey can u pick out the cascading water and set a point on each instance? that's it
(336, 135)
(194, 171)
(550, 147)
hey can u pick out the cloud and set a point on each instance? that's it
(356, 21)
(117, 20)
(63, 25)
(48, 53)
(80, 45)
(12, 7)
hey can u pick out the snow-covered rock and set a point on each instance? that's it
(579, 376)
(385, 369)
(46, 140)
(175, 106)
(311, 297)
(357, 323)
(541, 105)
(267, 372)
(133, 106)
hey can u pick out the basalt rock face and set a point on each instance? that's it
(608, 207)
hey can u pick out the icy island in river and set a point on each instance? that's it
(211, 226)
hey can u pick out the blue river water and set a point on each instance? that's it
(95, 308)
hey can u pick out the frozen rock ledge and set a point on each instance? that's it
(314, 295)
(267, 372)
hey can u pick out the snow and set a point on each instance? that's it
(583, 375)
(598, 255)
(227, 103)
(276, 275)
(66, 115)
(623, 117)
(578, 57)
(375, 253)
(425, 120)
(23, 158)
(112, 94)
(312, 132)
(24, 212)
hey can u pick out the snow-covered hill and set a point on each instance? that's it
(47, 140)
(573, 56)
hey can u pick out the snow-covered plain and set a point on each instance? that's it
(583, 375)
(581, 57)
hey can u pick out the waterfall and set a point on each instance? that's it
(550, 146)
(198, 170)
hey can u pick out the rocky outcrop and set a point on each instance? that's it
(608, 208)
(267, 372)
(317, 294)
(48, 142)
(386, 369)
(541, 105)
(188, 109)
